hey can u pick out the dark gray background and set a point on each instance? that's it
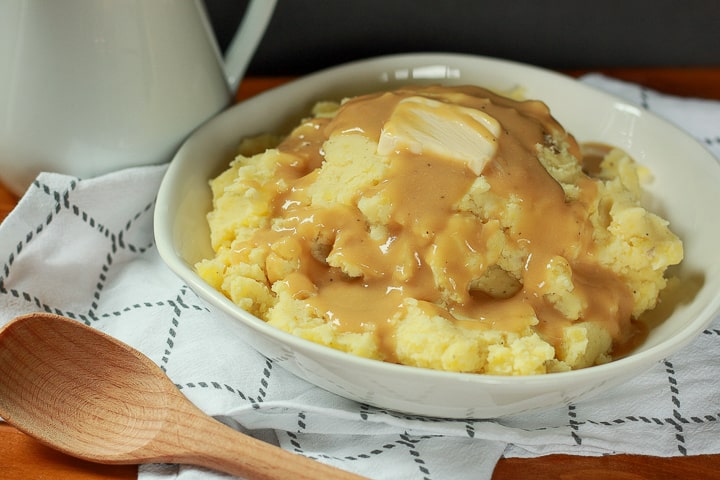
(306, 35)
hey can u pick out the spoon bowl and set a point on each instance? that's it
(91, 396)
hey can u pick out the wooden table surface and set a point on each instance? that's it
(22, 458)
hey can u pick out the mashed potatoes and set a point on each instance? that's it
(445, 228)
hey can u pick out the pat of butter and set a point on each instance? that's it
(424, 126)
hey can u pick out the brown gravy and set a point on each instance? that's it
(426, 232)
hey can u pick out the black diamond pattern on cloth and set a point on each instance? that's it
(85, 249)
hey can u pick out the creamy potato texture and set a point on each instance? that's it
(441, 227)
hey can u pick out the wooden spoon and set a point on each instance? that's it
(91, 396)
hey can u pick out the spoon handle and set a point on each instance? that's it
(214, 445)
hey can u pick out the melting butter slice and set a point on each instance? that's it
(425, 126)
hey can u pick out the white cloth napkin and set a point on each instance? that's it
(84, 249)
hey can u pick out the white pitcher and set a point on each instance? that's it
(92, 86)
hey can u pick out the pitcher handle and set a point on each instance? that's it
(246, 39)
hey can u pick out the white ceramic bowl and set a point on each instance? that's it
(685, 190)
